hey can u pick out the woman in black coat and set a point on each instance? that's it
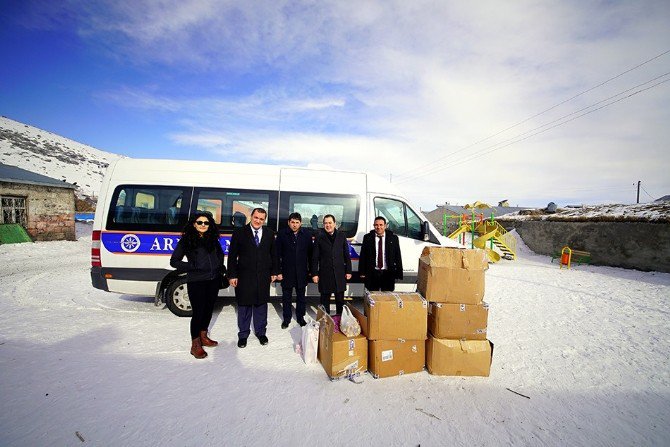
(331, 264)
(200, 245)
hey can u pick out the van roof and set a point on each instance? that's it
(129, 169)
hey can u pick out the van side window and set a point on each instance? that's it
(400, 218)
(312, 208)
(232, 208)
(413, 224)
(148, 208)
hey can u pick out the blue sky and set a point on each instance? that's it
(452, 100)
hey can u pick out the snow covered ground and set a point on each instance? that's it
(589, 346)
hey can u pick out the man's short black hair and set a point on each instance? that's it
(259, 210)
(331, 216)
(295, 216)
(380, 218)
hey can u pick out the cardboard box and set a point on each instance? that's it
(458, 321)
(452, 275)
(393, 316)
(458, 357)
(341, 357)
(387, 358)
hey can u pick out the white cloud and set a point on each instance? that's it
(392, 86)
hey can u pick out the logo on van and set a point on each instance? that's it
(130, 243)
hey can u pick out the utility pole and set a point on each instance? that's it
(638, 190)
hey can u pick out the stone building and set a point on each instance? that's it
(44, 206)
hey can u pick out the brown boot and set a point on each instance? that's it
(196, 349)
(206, 341)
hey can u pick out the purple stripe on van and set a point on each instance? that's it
(158, 244)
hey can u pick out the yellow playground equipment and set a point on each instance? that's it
(487, 230)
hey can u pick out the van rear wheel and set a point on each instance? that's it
(177, 299)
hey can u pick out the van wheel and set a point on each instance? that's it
(177, 299)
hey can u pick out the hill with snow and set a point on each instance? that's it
(45, 153)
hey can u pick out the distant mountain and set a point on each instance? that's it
(43, 152)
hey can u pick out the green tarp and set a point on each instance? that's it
(13, 234)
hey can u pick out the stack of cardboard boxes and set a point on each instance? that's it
(452, 280)
(395, 325)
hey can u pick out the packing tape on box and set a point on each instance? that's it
(369, 299)
(398, 300)
(465, 262)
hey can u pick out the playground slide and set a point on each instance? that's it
(481, 241)
(460, 230)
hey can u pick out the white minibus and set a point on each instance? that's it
(144, 204)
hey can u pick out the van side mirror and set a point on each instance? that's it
(425, 230)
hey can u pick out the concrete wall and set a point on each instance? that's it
(50, 210)
(638, 245)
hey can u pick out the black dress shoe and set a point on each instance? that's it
(263, 339)
(302, 322)
(242, 343)
(284, 324)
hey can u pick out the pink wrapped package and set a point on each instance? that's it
(336, 320)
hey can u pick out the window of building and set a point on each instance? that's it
(14, 210)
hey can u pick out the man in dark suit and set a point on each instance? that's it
(380, 263)
(252, 267)
(331, 264)
(294, 247)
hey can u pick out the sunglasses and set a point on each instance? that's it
(202, 222)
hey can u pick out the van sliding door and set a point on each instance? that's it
(313, 206)
(231, 208)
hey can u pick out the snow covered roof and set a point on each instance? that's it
(641, 212)
(12, 174)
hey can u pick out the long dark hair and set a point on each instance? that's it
(191, 236)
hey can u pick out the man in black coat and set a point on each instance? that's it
(294, 247)
(252, 267)
(380, 263)
(331, 264)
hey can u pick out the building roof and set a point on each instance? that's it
(12, 174)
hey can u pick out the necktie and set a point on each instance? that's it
(258, 242)
(380, 253)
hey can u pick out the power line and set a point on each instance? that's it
(516, 139)
(645, 191)
(437, 167)
(420, 167)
